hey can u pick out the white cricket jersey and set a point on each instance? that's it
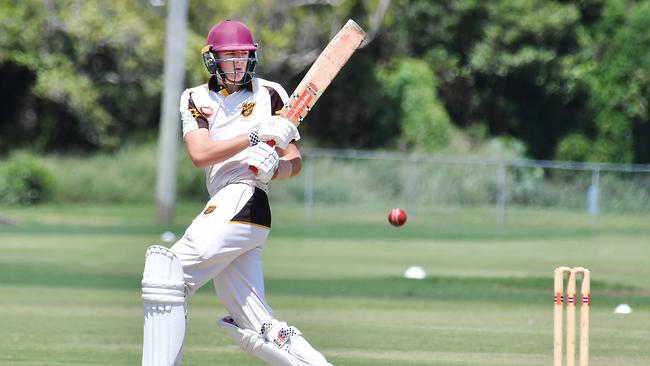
(229, 115)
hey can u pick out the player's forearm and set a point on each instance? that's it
(205, 152)
(296, 165)
(290, 163)
(288, 168)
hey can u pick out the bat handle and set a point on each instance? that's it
(253, 168)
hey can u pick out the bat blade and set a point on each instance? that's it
(323, 71)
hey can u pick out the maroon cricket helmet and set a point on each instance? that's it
(231, 35)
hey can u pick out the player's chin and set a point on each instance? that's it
(237, 80)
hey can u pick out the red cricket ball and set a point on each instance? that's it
(397, 217)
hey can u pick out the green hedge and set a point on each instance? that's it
(129, 175)
(24, 179)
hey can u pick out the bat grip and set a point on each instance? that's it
(254, 168)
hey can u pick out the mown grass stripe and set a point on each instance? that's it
(531, 290)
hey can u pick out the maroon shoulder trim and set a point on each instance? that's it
(276, 101)
(201, 120)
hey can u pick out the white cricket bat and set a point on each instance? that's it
(322, 72)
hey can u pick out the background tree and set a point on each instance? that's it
(76, 74)
(566, 78)
(412, 102)
(621, 84)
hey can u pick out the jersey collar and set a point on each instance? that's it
(215, 86)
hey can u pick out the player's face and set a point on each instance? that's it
(234, 69)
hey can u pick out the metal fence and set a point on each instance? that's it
(416, 181)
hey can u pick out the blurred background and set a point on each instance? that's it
(82, 85)
(516, 134)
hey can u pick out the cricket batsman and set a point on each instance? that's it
(226, 123)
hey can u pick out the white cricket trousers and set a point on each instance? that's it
(215, 247)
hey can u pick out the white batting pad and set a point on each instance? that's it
(256, 345)
(163, 295)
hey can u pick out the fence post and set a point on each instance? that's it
(309, 187)
(592, 196)
(412, 186)
(501, 193)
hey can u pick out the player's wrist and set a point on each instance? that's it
(284, 171)
(254, 137)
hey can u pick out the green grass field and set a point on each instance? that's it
(69, 277)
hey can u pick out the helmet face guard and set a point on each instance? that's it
(213, 64)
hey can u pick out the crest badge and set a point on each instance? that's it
(207, 111)
(209, 210)
(247, 108)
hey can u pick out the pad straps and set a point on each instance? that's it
(255, 344)
(279, 333)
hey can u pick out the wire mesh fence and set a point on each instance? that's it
(426, 183)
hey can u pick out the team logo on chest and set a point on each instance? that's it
(247, 108)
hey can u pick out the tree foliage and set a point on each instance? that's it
(621, 84)
(87, 71)
(567, 78)
(410, 85)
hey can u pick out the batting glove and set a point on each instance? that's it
(265, 159)
(278, 129)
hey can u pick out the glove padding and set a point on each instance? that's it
(265, 159)
(280, 130)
